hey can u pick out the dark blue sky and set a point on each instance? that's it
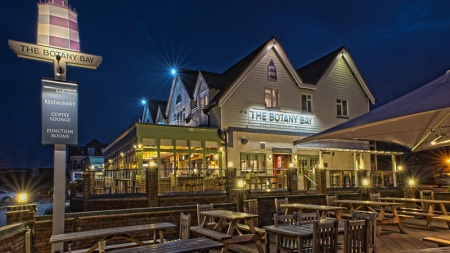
(397, 46)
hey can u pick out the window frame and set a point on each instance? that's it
(307, 103)
(273, 97)
(342, 108)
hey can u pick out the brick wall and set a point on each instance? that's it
(115, 218)
(12, 238)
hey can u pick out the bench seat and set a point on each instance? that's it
(445, 218)
(180, 246)
(440, 242)
(210, 233)
(244, 227)
(427, 216)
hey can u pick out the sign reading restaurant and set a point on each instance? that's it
(59, 112)
(266, 118)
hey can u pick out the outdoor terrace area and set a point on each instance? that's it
(390, 240)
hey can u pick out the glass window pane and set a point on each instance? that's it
(196, 145)
(149, 142)
(166, 144)
(181, 144)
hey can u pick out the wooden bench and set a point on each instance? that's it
(210, 233)
(180, 246)
(440, 242)
(246, 228)
(427, 216)
(110, 233)
(445, 218)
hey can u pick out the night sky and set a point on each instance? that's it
(396, 45)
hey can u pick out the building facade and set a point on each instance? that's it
(258, 108)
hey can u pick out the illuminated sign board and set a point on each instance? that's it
(278, 119)
(59, 112)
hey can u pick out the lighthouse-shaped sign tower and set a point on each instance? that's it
(58, 42)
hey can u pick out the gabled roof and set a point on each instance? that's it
(236, 73)
(213, 80)
(153, 106)
(188, 78)
(314, 71)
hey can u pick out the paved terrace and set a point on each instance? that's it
(389, 241)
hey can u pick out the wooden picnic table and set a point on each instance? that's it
(324, 209)
(296, 232)
(382, 218)
(228, 221)
(429, 214)
(179, 246)
(109, 233)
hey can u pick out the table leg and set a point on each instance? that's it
(396, 218)
(338, 214)
(267, 244)
(161, 236)
(253, 231)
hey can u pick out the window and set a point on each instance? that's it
(253, 162)
(341, 108)
(306, 103)
(178, 99)
(203, 100)
(91, 151)
(271, 71)
(271, 98)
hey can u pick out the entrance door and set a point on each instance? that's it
(280, 163)
(307, 165)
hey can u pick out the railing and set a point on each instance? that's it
(191, 180)
(182, 180)
(264, 182)
(118, 181)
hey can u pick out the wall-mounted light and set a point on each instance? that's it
(400, 168)
(230, 165)
(240, 184)
(291, 165)
(365, 182)
(411, 182)
(270, 157)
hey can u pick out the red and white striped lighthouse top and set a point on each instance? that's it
(57, 25)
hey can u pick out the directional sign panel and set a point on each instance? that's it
(59, 112)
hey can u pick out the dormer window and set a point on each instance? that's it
(271, 71)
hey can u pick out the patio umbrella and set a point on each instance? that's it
(419, 120)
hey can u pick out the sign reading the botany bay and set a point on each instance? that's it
(46, 53)
(59, 112)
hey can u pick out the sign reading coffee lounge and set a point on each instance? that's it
(278, 119)
(59, 112)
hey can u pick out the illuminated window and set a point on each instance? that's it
(253, 162)
(271, 98)
(306, 103)
(271, 71)
(341, 108)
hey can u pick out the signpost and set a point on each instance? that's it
(59, 114)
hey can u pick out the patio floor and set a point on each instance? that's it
(390, 240)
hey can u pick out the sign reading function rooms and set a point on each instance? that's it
(59, 112)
